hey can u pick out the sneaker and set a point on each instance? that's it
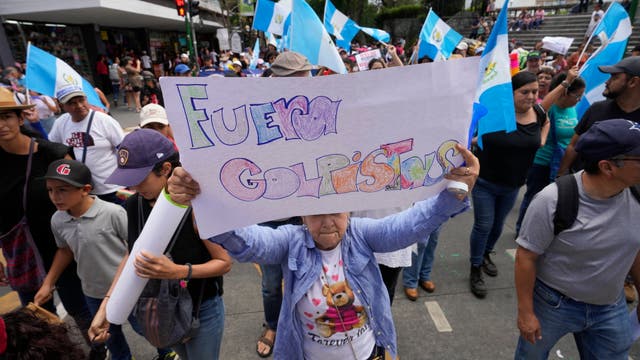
(488, 266)
(629, 292)
(476, 281)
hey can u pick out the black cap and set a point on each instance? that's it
(630, 65)
(70, 171)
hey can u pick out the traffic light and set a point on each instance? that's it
(194, 7)
(180, 6)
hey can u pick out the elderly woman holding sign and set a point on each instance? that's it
(335, 305)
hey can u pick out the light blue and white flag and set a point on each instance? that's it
(339, 25)
(493, 108)
(437, 39)
(270, 17)
(377, 34)
(47, 74)
(613, 30)
(256, 55)
(308, 36)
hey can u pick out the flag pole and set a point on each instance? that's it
(584, 49)
(26, 86)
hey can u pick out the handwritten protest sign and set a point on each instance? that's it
(363, 58)
(269, 148)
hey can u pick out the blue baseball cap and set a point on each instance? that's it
(138, 153)
(608, 139)
(181, 69)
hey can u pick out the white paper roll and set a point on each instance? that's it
(154, 238)
(458, 187)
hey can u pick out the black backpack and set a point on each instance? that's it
(568, 201)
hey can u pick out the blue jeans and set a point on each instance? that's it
(537, 179)
(421, 262)
(491, 205)
(600, 331)
(69, 290)
(207, 341)
(117, 343)
(271, 294)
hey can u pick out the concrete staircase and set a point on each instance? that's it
(573, 26)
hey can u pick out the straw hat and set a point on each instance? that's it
(8, 101)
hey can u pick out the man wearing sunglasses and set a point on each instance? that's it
(572, 282)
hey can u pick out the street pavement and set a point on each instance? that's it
(447, 324)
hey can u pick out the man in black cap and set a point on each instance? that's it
(622, 92)
(571, 282)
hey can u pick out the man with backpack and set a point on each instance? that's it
(577, 244)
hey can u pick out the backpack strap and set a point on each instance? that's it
(567, 205)
(32, 145)
(541, 114)
(87, 137)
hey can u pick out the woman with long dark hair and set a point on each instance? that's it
(504, 162)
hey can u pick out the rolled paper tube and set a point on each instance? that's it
(154, 238)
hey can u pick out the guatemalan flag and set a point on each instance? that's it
(271, 17)
(613, 30)
(377, 34)
(339, 25)
(47, 74)
(308, 36)
(493, 109)
(437, 39)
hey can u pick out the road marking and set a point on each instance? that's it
(512, 253)
(442, 325)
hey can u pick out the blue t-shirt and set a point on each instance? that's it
(565, 120)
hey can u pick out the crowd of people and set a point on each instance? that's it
(69, 162)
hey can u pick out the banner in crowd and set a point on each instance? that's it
(437, 39)
(339, 25)
(613, 30)
(308, 36)
(363, 58)
(270, 148)
(271, 17)
(558, 44)
(493, 109)
(47, 74)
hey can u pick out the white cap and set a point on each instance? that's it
(153, 113)
(462, 46)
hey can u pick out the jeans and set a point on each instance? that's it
(491, 205)
(421, 262)
(117, 343)
(271, 294)
(206, 343)
(600, 331)
(115, 86)
(537, 179)
(70, 292)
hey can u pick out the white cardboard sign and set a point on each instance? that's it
(270, 148)
(363, 58)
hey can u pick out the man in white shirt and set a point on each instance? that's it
(93, 135)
